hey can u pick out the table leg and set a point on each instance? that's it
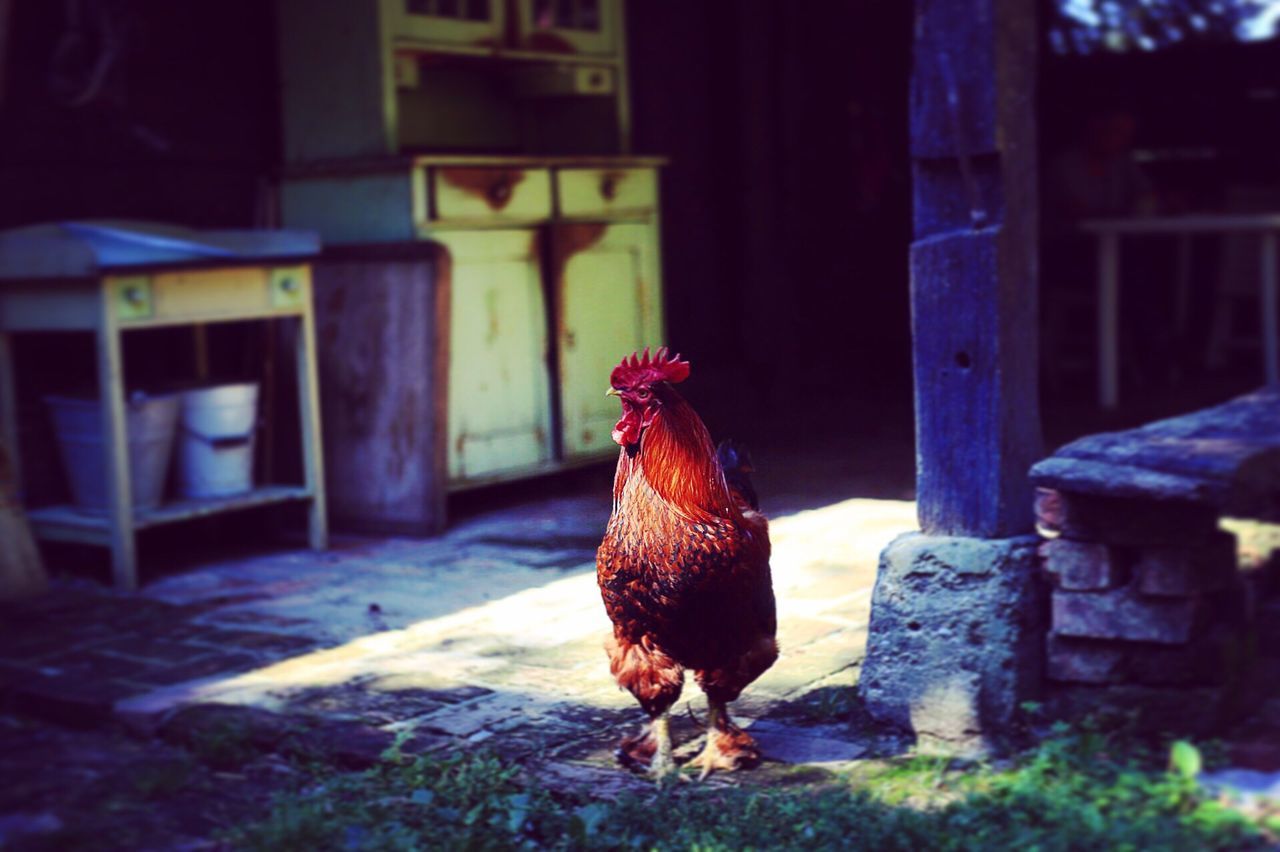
(1270, 300)
(1108, 319)
(313, 451)
(9, 411)
(115, 446)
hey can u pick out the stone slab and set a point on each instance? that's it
(956, 636)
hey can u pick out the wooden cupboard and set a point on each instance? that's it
(550, 269)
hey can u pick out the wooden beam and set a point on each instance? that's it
(973, 265)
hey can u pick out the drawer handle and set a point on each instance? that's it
(500, 192)
(135, 296)
(609, 187)
(289, 285)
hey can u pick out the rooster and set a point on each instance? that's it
(683, 569)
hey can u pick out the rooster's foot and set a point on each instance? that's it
(726, 750)
(650, 749)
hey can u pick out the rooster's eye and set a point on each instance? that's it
(643, 393)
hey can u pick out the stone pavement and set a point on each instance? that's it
(490, 635)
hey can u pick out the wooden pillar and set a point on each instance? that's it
(956, 640)
(973, 265)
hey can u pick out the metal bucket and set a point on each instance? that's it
(215, 454)
(150, 423)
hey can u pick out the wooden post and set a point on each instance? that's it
(973, 265)
(956, 640)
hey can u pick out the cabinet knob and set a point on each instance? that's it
(135, 296)
(570, 340)
(289, 285)
(609, 187)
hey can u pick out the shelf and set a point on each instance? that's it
(67, 523)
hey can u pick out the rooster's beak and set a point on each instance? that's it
(612, 392)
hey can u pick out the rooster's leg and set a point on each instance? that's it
(662, 764)
(728, 746)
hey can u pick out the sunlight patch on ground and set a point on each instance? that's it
(824, 563)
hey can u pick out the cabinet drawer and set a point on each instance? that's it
(591, 192)
(473, 194)
(210, 294)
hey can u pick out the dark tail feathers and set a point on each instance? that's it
(735, 460)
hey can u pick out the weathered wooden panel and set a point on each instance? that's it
(609, 307)
(973, 267)
(380, 335)
(499, 390)
(977, 423)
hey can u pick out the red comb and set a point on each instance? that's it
(642, 368)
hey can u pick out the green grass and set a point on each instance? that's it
(1081, 788)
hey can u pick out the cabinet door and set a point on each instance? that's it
(469, 22)
(609, 306)
(569, 26)
(499, 398)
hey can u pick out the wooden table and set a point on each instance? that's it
(66, 288)
(1109, 231)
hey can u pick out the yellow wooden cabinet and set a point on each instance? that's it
(552, 277)
(499, 397)
(609, 306)
(373, 78)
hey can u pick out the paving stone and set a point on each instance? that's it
(795, 632)
(350, 744)
(155, 650)
(362, 701)
(90, 665)
(791, 745)
(599, 782)
(497, 713)
(251, 640)
(260, 619)
(72, 701)
(263, 729)
(202, 667)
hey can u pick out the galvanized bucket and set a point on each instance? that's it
(150, 427)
